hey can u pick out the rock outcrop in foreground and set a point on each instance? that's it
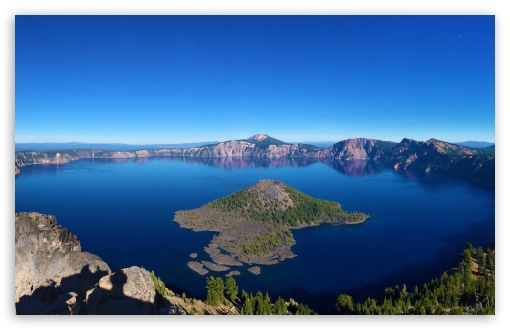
(54, 276)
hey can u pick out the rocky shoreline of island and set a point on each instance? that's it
(244, 240)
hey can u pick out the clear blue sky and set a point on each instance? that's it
(172, 79)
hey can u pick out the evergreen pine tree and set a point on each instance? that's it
(231, 288)
(344, 304)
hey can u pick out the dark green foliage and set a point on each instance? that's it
(490, 150)
(161, 290)
(247, 308)
(460, 292)
(231, 288)
(213, 298)
(280, 215)
(280, 308)
(159, 285)
(261, 304)
(310, 210)
(215, 291)
(244, 295)
(306, 209)
(384, 144)
(303, 310)
(266, 142)
(265, 243)
(310, 147)
(344, 304)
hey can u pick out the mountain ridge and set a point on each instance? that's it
(433, 155)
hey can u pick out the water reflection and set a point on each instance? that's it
(353, 167)
(245, 162)
(350, 168)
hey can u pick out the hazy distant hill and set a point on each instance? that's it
(102, 146)
(492, 148)
(474, 144)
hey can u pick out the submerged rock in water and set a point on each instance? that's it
(232, 273)
(221, 258)
(215, 267)
(254, 270)
(198, 267)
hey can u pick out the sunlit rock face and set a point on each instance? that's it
(51, 270)
(54, 276)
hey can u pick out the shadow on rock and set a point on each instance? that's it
(129, 291)
(64, 298)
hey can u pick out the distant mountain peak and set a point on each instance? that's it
(258, 137)
(407, 140)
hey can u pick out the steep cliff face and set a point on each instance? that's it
(54, 276)
(225, 149)
(46, 254)
(24, 158)
(352, 149)
(430, 156)
(443, 157)
(259, 145)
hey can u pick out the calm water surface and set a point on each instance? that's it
(123, 212)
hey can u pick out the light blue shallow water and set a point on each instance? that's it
(123, 211)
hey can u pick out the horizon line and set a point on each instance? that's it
(198, 142)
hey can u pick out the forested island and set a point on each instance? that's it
(255, 223)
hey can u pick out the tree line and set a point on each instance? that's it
(468, 288)
(227, 292)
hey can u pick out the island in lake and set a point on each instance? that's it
(255, 223)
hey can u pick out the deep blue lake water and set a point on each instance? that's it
(122, 210)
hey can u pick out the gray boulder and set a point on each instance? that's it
(127, 291)
(53, 276)
(50, 266)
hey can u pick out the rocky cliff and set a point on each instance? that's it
(442, 157)
(356, 149)
(430, 156)
(259, 145)
(54, 276)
